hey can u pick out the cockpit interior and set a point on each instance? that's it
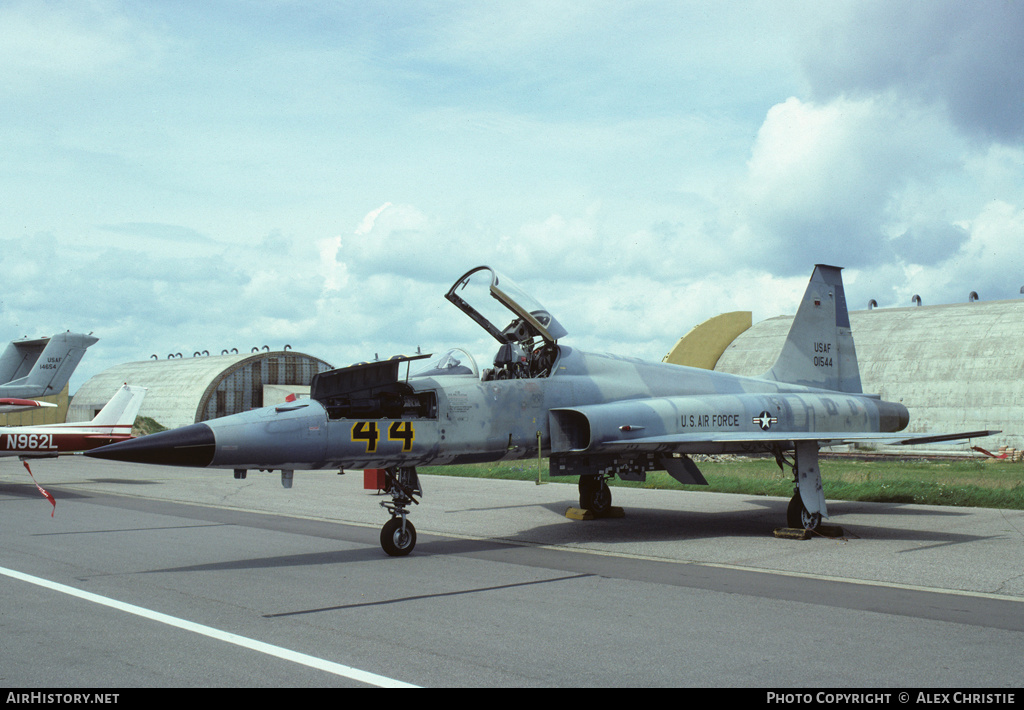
(527, 348)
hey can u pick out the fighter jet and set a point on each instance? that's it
(36, 367)
(595, 416)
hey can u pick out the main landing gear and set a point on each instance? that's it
(798, 517)
(807, 507)
(398, 536)
(595, 495)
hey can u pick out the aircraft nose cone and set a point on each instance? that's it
(192, 445)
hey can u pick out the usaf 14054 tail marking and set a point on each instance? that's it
(594, 416)
(36, 367)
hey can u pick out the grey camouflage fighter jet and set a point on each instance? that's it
(594, 416)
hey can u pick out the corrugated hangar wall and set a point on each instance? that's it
(187, 390)
(957, 367)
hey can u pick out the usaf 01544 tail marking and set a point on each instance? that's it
(823, 358)
(595, 416)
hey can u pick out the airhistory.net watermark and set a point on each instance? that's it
(40, 698)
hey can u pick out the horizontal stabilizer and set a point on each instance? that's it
(9, 405)
(917, 439)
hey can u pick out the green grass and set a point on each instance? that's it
(970, 482)
(147, 425)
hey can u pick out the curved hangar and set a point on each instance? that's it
(954, 367)
(189, 390)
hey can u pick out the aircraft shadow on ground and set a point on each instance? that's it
(637, 527)
(28, 490)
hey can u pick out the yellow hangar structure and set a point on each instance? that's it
(183, 390)
(955, 367)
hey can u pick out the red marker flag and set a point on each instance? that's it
(42, 490)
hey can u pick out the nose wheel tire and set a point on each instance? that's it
(396, 539)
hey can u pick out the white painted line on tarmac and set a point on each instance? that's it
(259, 646)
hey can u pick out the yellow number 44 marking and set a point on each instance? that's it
(368, 432)
(404, 432)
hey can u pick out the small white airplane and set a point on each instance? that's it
(112, 423)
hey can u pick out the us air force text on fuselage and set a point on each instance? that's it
(705, 421)
(903, 697)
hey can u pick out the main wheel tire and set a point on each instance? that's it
(798, 517)
(394, 540)
(595, 495)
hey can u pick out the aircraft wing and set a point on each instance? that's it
(9, 405)
(750, 440)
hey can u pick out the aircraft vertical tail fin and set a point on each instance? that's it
(19, 357)
(42, 366)
(122, 409)
(819, 350)
(10, 361)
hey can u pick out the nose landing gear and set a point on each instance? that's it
(398, 536)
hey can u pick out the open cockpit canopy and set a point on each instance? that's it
(528, 342)
(489, 298)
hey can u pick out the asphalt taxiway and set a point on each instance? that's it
(150, 576)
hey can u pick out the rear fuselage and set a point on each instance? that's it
(56, 439)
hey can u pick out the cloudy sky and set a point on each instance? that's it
(187, 176)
